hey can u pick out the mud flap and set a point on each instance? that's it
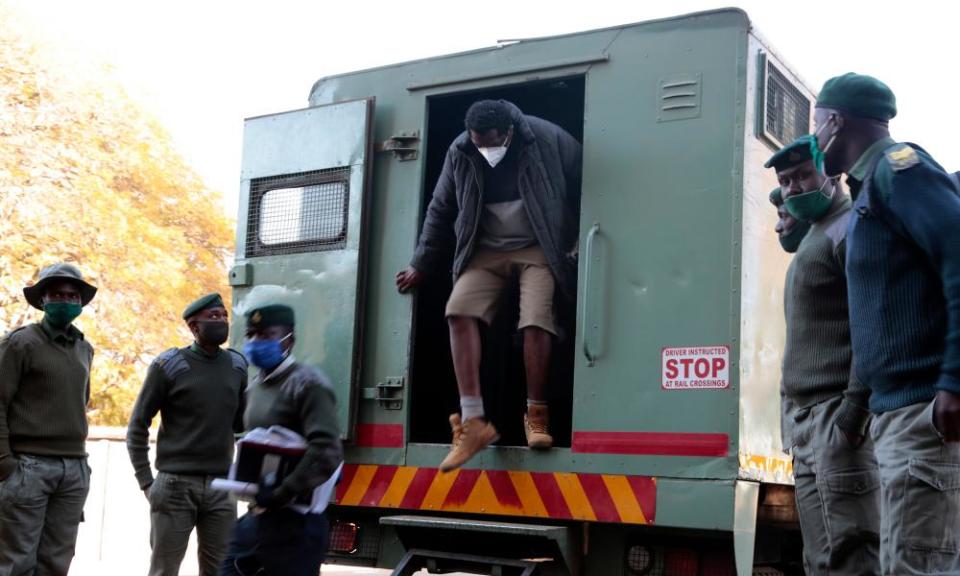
(746, 501)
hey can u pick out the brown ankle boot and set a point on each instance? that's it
(474, 435)
(536, 424)
(456, 427)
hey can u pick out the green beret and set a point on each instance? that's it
(792, 154)
(776, 197)
(271, 315)
(858, 95)
(202, 303)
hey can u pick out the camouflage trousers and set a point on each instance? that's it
(837, 492)
(41, 505)
(920, 494)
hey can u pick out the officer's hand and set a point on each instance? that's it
(946, 415)
(146, 492)
(408, 279)
(273, 497)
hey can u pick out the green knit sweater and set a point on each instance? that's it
(817, 359)
(299, 398)
(44, 390)
(200, 401)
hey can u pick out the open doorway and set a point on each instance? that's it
(433, 383)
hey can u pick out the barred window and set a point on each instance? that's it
(305, 212)
(786, 111)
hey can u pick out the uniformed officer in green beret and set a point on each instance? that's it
(274, 538)
(824, 404)
(790, 231)
(903, 275)
(198, 392)
(44, 390)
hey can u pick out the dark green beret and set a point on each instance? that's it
(858, 95)
(271, 315)
(776, 197)
(202, 303)
(792, 154)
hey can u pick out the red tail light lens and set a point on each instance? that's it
(717, 564)
(681, 562)
(343, 537)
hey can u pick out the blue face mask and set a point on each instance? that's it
(265, 354)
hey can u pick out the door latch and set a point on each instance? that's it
(388, 393)
(404, 145)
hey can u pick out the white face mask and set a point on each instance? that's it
(494, 154)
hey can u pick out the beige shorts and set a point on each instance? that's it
(477, 291)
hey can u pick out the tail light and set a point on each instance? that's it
(717, 564)
(344, 537)
(681, 562)
(655, 560)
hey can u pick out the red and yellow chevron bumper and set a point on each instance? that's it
(562, 495)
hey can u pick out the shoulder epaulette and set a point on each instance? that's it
(836, 229)
(239, 362)
(11, 333)
(901, 157)
(172, 362)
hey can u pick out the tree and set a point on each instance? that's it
(89, 177)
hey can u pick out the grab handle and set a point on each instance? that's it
(591, 320)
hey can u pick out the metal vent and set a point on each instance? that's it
(679, 97)
(305, 212)
(786, 111)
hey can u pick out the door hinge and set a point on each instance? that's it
(404, 145)
(388, 393)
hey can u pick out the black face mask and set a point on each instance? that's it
(212, 332)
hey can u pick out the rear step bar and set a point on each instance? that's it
(440, 543)
(441, 562)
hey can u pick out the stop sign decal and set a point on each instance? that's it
(696, 368)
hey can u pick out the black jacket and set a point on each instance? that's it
(549, 173)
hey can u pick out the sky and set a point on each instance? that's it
(202, 66)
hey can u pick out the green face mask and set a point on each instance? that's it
(810, 206)
(816, 153)
(790, 242)
(61, 314)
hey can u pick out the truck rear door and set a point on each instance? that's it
(300, 233)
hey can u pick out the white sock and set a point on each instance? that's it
(531, 402)
(471, 407)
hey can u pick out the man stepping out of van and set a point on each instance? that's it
(903, 269)
(825, 406)
(508, 197)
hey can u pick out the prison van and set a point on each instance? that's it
(664, 386)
